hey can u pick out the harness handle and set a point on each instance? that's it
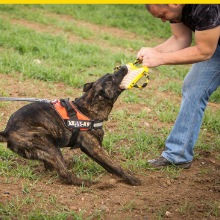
(70, 110)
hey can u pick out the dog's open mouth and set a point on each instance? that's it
(117, 77)
(120, 90)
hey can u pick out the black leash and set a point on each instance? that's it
(24, 99)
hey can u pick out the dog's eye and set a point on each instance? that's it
(113, 79)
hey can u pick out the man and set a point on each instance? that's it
(200, 82)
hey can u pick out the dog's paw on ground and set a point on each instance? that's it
(133, 181)
(103, 186)
(86, 183)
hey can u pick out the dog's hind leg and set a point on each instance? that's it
(44, 148)
(55, 160)
(3, 137)
(48, 165)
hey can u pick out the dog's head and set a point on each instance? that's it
(107, 87)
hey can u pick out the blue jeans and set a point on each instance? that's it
(200, 82)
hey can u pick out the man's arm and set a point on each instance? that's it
(206, 43)
(181, 38)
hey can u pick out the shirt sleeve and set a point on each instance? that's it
(206, 17)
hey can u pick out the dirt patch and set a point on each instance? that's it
(187, 196)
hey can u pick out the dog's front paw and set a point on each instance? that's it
(134, 181)
(80, 182)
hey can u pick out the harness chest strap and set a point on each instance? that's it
(73, 118)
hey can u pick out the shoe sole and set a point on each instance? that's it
(182, 166)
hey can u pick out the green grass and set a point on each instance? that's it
(60, 59)
(176, 72)
(215, 97)
(211, 122)
(15, 208)
(86, 168)
(127, 17)
(172, 87)
(5, 154)
(167, 110)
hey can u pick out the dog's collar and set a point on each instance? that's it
(73, 118)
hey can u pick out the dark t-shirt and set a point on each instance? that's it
(201, 17)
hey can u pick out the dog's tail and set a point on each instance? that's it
(3, 137)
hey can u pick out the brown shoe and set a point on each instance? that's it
(161, 162)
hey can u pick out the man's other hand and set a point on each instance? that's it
(150, 57)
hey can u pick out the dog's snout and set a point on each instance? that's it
(124, 69)
(120, 73)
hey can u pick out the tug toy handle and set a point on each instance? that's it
(145, 73)
(137, 61)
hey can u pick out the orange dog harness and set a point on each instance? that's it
(73, 118)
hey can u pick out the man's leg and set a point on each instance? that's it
(201, 81)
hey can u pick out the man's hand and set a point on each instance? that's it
(150, 57)
(142, 51)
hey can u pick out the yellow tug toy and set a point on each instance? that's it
(133, 75)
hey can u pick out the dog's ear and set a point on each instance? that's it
(87, 86)
(98, 97)
(109, 94)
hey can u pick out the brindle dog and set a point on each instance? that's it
(37, 132)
